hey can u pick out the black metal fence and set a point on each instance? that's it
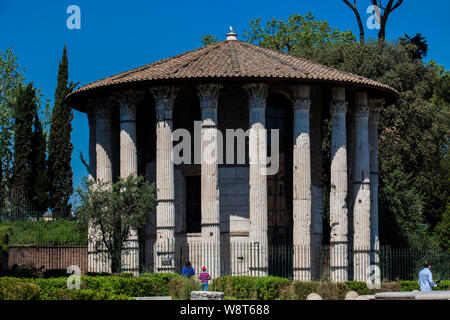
(231, 259)
(243, 258)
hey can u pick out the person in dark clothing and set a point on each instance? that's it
(188, 271)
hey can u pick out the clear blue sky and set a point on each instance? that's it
(116, 36)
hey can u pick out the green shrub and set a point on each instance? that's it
(269, 288)
(55, 273)
(5, 232)
(180, 288)
(246, 287)
(112, 287)
(61, 231)
(414, 285)
(127, 274)
(84, 294)
(48, 286)
(359, 287)
(390, 287)
(18, 289)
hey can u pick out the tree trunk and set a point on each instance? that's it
(116, 260)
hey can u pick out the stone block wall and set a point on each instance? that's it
(48, 257)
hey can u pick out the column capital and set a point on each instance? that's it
(362, 111)
(128, 100)
(301, 97)
(208, 93)
(338, 107)
(100, 109)
(164, 99)
(257, 93)
(375, 106)
(361, 105)
(338, 104)
(90, 114)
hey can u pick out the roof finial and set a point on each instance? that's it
(231, 35)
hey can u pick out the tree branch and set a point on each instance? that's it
(358, 19)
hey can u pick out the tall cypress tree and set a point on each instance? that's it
(39, 183)
(60, 147)
(25, 109)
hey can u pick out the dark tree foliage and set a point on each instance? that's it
(60, 147)
(25, 109)
(39, 182)
(421, 47)
(414, 189)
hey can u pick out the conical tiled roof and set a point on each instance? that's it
(235, 59)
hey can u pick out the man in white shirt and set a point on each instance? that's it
(426, 278)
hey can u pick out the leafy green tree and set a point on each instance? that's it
(209, 39)
(402, 205)
(414, 131)
(297, 35)
(442, 231)
(11, 78)
(114, 211)
(60, 146)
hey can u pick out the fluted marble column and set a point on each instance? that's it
(375, 106)
(92, 176)
(92, 144)
(165, 209)
(209, 95)
(128, 166)
(339, 188)
(98, 258)
(361, 190)
(302, 183)
(257, 93)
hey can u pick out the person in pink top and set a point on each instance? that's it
(204, 277)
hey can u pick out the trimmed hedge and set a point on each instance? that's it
(84, 294)
(245, 287)
(271, 288)
(414, 285)
(18, 289)
(156, 284)
(96, 287)
(241, 287)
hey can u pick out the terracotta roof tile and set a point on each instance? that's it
(233, 59)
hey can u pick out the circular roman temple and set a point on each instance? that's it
(231, 133)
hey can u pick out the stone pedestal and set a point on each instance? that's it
(361, 190)
(206, 295)
(258, 180)
(338, 191)
(165, 210)
(210, 208)
(302, 184)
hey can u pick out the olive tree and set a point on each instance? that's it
(114, 210)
